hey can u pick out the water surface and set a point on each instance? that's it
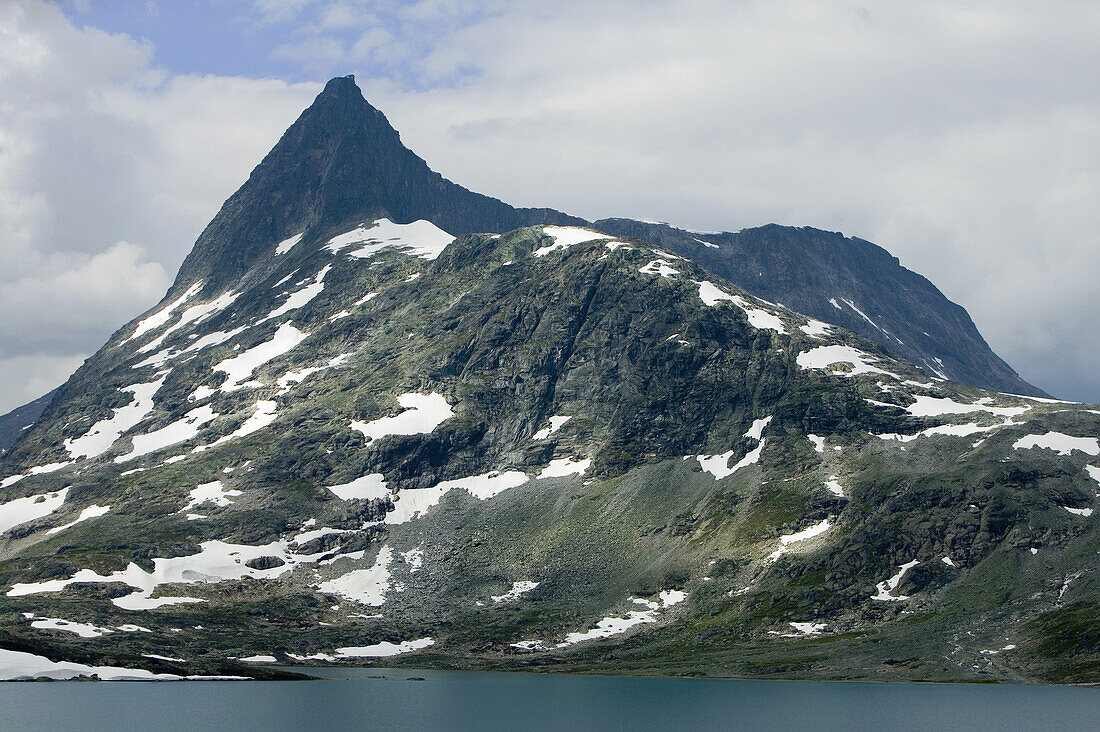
(381, 699)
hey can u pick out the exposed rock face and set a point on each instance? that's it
(849, 282)
(340, 162)
(548, 448)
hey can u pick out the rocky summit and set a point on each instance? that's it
(352, 435)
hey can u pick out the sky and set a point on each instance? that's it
(962, 136)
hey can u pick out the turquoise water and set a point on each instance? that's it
(448, 700)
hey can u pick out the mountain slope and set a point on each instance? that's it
(19, 419)
(848, 282)
(545, 449)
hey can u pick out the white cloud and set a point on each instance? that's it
(98, 146)
(31, 375)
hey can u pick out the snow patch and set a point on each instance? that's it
(160, 317)
(953, 430)
(84, 630)
(179, 431)
(263, 414)
(660, 267)
(301, 297)
(366, 586)
(807, 533)
(19, 665)
(1060, 443)
(23, 510)
(834, 487)
(887, 587)
(287, 381)
(758, 318)
(214, 492)
(565, 466)
(414, 558)
(518, 589)
(366, 488)
(567, 236)
(556, 423)
(815, 328)
(419, 239)
(240, 367)
(287, 244)
(423, 413)
(1094, 472)
(216, 561)
(384, 649)
(194, 314)
(823, 357)
(91, 512)
(616, 625)
(756, 432)
(927, 406)
(410, 503)
(718, 465)
(808, 628)
(99, 438)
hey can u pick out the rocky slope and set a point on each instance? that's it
(533, 451)
(550, 449)
(848, 282)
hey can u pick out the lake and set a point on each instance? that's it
(455, 700)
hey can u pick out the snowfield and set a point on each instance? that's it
(365, 586)
(22, 510)
(567, 236)
(1059, 443)
(101, 435)
(240, 367)
(423, 413)
(419, 239)
(823, 357)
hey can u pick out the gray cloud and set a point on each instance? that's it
(963, 138)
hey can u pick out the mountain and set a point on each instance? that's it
(548, 448)
(19, 419)
(848, 282)
(341, 162)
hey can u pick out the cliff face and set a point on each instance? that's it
(340, 163)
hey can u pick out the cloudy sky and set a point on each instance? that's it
(962, 136)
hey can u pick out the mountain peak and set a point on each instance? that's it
(340, 163)
(338, 84)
